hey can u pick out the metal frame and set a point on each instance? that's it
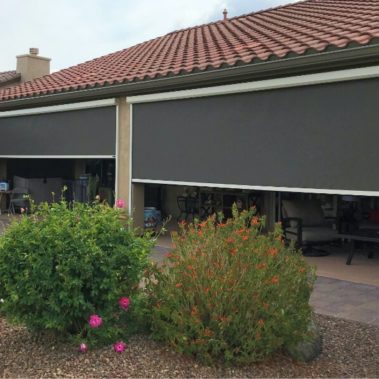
(262, 85)
(259, 188)
(59, 156)
(59, 108)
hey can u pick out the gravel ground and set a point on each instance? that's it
(351, 349)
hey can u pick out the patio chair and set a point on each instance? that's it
(304, 223)
(188, 206)
(18, 199)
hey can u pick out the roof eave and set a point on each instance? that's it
(325, 61)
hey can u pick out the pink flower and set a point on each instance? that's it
(124, 303)
(120, 203)
(95, 321)
(119, 347)
(83, 348)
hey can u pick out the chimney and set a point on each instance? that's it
(225, 13)
(32, 66)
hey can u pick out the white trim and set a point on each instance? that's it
(130, 203)
(259, 188)
(117, 152)
(60, 108)
(291, 81)
(59, 156)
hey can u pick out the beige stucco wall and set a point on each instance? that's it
(123, 186)
(123, 153)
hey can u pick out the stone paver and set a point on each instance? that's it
(352, 301)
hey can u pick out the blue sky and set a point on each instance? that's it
(73, 31)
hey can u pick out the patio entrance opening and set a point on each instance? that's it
(83, 179)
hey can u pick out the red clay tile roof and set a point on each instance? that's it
(7, 76)
(306, 27)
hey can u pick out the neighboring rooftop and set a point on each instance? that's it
(8, 77)
(304, 28)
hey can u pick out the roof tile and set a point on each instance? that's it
(305, 27)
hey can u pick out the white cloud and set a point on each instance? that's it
(71, 31)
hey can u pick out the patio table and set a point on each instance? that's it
(364, 235)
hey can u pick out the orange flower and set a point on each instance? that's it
(261, 266)
(274, 280)
(224, 318)
(273, 251)
(178, 285)
(229, 240)
(194, 311)
(240, 231)
(202, 224)
(221, 225)
(245, 238)
(302, 269)
(233, 251)
(261, 322)
(200, 233)
(190, 267)
(255, 221)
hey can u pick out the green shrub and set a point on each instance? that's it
(64, 263)
(230, 292)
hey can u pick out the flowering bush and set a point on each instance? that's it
(228, 291)
(95, 321)
(67, 269)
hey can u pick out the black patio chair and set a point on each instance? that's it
(188, 206)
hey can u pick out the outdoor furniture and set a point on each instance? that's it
(18, 199)
(305, 224)
(364, 235)
(188, 206)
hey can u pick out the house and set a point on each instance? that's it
(273, 103)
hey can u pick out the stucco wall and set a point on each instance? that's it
(123, 154)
